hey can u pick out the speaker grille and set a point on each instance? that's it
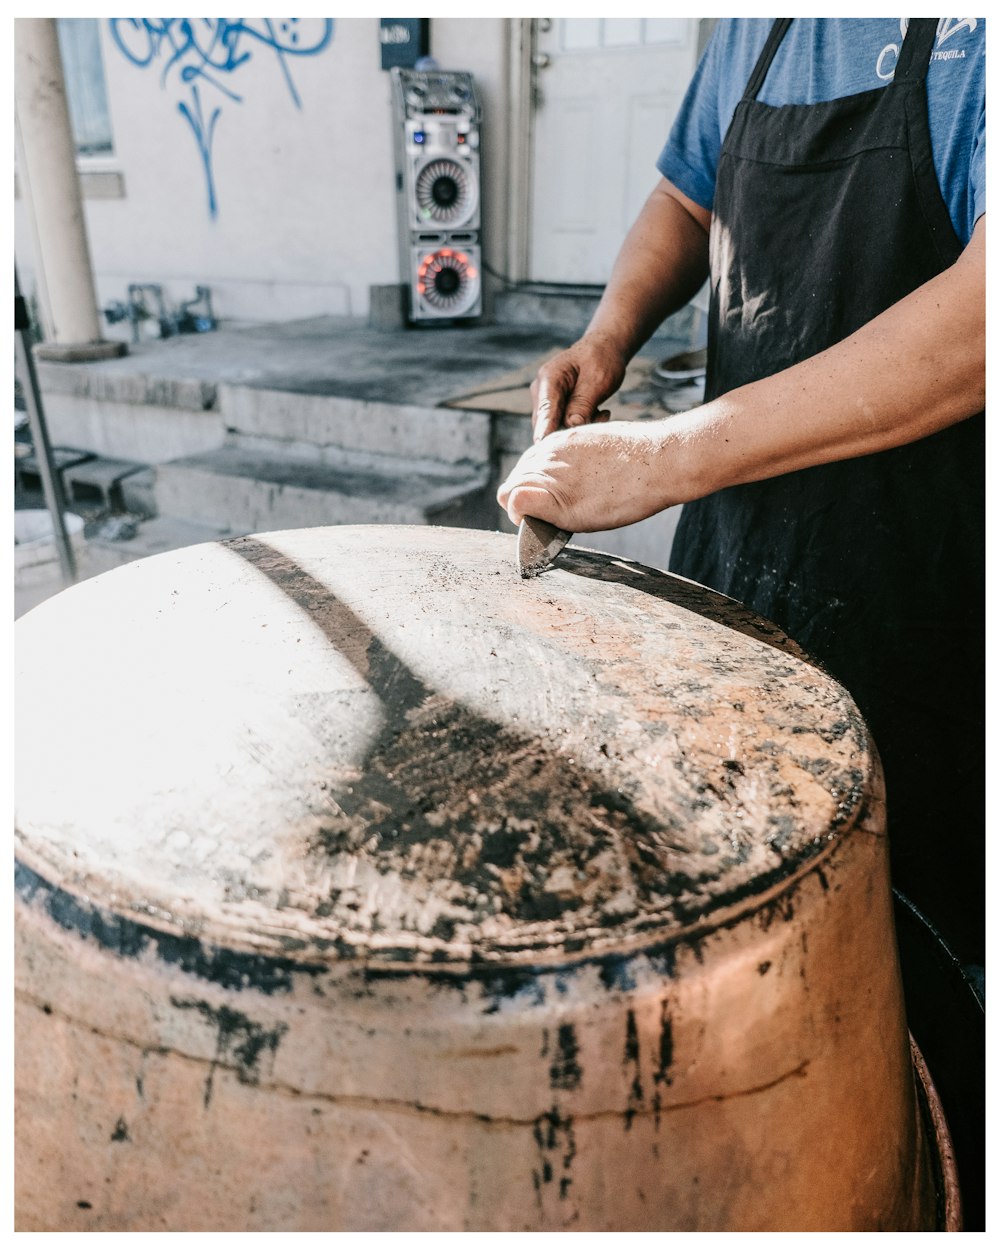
(444, 192)
(447, 281)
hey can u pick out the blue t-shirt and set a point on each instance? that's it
(825, 59)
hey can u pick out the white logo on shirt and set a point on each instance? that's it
(949, 26)
(885, 66)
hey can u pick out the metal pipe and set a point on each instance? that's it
(51, 483)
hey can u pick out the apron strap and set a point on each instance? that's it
(915, 54)
(766, 57)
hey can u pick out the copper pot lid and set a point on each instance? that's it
(380, 742)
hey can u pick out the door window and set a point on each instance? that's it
(588, 33)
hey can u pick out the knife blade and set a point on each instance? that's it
(538, 544)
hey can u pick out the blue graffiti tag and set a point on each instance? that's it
(204, 51)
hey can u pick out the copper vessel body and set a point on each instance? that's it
(457, 902)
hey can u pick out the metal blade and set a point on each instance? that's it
(538, 544)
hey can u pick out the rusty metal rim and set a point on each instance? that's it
(542, 944)
(534, 942)
(119, 926)
(943, 1160)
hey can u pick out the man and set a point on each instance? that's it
(829, 175)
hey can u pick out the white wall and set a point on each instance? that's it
(306, 217)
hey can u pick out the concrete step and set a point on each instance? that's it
(247, 492)
(423, 435)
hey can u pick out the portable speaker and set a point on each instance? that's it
(437, 137)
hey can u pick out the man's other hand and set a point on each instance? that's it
(570, 388)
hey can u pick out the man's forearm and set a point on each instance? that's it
(910, 372)
(662, 264)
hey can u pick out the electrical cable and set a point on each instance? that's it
(500, 277)
(569, 290)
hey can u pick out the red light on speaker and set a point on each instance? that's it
(471, 272)
(446, 251)
(461, 258)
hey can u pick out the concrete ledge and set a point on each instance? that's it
(336, 457)
(125, 386)
(147, 433)
(250, 493)
(445, 435)
(103, 349)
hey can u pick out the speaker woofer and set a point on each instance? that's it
(446, 281)
(444, 192)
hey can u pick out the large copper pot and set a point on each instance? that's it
(362, 885)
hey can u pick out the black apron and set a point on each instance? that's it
(825, 215)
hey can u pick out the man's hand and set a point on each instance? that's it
(662, 263)
(595, 477)
(570, 388)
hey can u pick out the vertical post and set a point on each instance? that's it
(47, 167)
(51, 483)
(520, 106)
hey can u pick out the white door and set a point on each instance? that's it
(606, 94)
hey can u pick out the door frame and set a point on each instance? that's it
(520, 90)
